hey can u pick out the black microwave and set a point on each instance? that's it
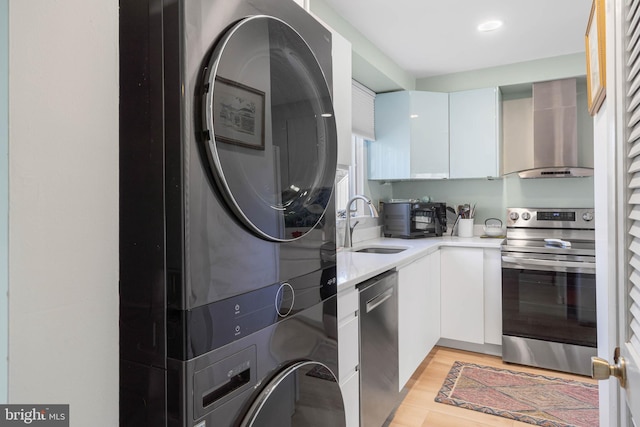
(410, 219)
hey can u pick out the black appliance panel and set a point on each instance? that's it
(555, 216)
(225, 384)
(198, 331)
(549, 306)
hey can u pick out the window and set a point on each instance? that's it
(350, 178)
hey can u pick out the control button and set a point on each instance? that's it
(514, 216)
(587, 216)
(285, 298)
(526, 216)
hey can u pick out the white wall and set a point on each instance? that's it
(371, 66)
(63, 187)
(4, 196)
(538, 70)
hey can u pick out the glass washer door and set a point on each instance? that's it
(270, 128)
(306, 394)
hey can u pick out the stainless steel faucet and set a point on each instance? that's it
(348, 229)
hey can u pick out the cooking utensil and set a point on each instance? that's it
(454, 231)
(452, 217)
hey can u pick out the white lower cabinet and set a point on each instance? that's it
(462, 294)
(351, 394)
(452, 293)
(471, 295)
(492, 275)
(418, 313)
(348, 353)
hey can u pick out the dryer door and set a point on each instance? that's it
(269, 128)
(305, 394)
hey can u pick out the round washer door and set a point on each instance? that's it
(269, 127)
(305, 394)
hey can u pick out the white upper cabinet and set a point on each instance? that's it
(433, 135)
(341, 64)
(412, 136)
(474, 133)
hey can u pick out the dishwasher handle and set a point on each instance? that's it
(379, 299)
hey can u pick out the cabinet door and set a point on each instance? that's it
(412, 136)
(462, 294)
(416, 322)
(432, 305)
(348, 333)
(341, 51)
(348, 353)
(517, 134)
(429, 117)
(492, 296)
(473, 133)
(389, 153)
(351, 395)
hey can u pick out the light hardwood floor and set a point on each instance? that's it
(418, 409)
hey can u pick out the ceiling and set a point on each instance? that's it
(434, 37)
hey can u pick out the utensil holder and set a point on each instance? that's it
(465, 227)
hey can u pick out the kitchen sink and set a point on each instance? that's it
(381, 250)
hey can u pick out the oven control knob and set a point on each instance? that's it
(587, 216)
(514, 216)
(526, 216)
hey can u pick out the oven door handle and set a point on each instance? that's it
(544, 264)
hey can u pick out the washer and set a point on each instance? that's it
(227, 217)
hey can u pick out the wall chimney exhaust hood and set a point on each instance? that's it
(555, 132)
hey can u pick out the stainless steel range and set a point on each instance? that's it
(549, 289)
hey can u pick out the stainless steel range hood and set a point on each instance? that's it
(555, 132)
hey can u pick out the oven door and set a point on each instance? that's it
(549, 298)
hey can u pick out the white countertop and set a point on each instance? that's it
(355, 267)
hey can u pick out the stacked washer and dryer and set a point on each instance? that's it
(227, 216)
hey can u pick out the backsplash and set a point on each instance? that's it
(367, 228)
(493, 197)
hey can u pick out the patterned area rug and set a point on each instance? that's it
(534, 399)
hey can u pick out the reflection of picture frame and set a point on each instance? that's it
(596, 65)
(238, 114)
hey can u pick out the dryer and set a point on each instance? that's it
(227, 216)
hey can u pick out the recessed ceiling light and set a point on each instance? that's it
(489, 26)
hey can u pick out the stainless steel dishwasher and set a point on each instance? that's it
(378, 348)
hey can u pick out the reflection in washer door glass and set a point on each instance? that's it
(275, 138)
(309, 396)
